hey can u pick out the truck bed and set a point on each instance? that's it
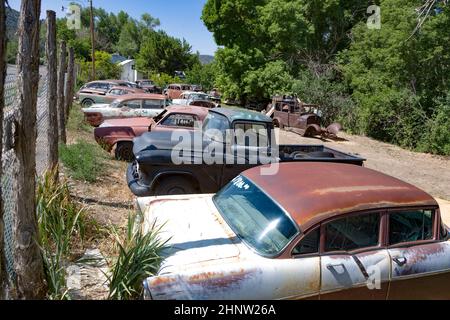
(317, 153)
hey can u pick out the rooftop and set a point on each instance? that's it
(312, 192)
(234, 114)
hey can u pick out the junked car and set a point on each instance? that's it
(312, 231)
(250, 143)
(149, 86)
(92, 97)
(190, 96)
(174, 91)
(127, 106)
(104, 86)
(118, 134)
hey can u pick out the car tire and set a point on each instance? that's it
(277, 124)
(175, 185)
(124, 151)
(87, 103)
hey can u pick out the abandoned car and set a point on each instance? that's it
(312, 231)
(92, 97)
(174, 91)
(149, 86)
(127, 106)
(304, 119)
(154, 171)
(189, 96)
(119, 133)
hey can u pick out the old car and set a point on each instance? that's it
(127, 106)
(189, 96)
(88, 98)
(149, 86)
(304, 119)
(103, 86)
(174, 91)
(312, 231)
(250, 143)
(118, 134)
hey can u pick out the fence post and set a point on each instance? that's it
(2, 105)
(52, 77)
(61, 83)
(28, 265)
(70, 82)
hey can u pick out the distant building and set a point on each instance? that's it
(129, 72)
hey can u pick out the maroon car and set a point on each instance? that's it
(119, 133)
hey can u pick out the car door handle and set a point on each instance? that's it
(333, 266)
(400, 261)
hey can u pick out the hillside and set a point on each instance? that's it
(205, 59)
(12, 20)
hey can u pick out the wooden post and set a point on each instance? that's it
(3, 276)
(29, 283)
(61, 103)
(70, 83)
(52, 77)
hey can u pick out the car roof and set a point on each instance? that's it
(201, 112)
(312, 192)
(142, 96)
(234, 114)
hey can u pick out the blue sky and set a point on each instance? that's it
(179, 18)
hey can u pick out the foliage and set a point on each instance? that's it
(163, 79)
(161, 53)
(202, 74)
(104, 68)
(139, 257)
(83, 160)
(61, 223)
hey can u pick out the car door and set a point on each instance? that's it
(152, 107)
(354, 265)
(130, 108)
(420, 255)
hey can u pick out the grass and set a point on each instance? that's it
(84, 161)
(139, 258)
(76, 121)
(62, 225)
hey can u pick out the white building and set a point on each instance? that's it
(129, 72)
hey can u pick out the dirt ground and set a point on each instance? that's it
(428, 172)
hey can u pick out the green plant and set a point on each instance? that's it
(61, 222)
(139, 257)
(84, 161)
(76, 121)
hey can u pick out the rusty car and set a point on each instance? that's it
(312, 231)
(91, 97)
(301, 118)
(127, 106)
(104, 86)
(189, 96)
(174, 91)
(149, 86)
(118, 134)
(250, 143)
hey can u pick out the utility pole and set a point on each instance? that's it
(92, 41)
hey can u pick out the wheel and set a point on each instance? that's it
(87, 103)
(277, 124)
(175, 185)
(124, 151)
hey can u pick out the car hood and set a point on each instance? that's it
(96, 106)
(196, 231)
(128, 122)
(159, 140)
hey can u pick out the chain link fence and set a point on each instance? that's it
(9, 159)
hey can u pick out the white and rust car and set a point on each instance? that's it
(312, 231)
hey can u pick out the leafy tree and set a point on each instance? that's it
(104, 68)
(203, 75)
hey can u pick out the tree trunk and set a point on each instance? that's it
(52, 77)
(3, 276)
(28, 264)
(61, 83)
(70, 83)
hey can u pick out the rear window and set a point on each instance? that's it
(410, 226)
(179, 120)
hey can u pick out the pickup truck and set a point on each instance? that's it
(154, 171)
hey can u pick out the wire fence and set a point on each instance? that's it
(9, 159)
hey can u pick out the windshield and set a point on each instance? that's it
(254, 217)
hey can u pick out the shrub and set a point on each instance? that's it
(84, 161)
(437, 137)
(139, 257)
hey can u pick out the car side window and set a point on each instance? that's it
(410, 226)
(309, 243)
(353, 232)
(444, 231)
(153, 104)
(254, 133)
(132, 104)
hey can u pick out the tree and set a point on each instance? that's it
(104, 68)
(203, 75)
(161, 53)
